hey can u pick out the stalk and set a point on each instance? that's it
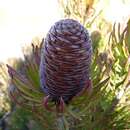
(61, 122)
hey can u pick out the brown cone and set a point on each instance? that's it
(66, 59)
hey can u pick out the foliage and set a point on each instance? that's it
(22, 119)
(4, 101)
(82, 10)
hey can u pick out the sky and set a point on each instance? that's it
(22, 20)
(117, 10)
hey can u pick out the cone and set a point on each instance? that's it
(65, 60)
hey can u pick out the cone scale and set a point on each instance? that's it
(65, 61)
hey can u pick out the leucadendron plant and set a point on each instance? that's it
(67, 87)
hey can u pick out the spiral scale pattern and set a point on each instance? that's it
(65, 60)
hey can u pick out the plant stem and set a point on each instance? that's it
(62, 123)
